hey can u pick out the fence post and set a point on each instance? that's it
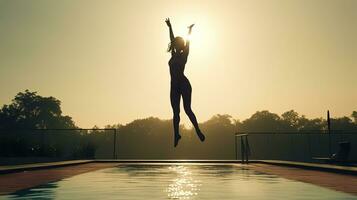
(42, 152)
(246, 148)
(329, 133)
(236, 147)
(114, 145)
(242, 148)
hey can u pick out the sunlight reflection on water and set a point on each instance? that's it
(185, 186)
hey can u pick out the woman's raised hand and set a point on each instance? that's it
(168, 23)
(190, 28)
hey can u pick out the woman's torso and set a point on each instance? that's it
(177, 67)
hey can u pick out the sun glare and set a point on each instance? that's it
(202, 38)
(188, 37)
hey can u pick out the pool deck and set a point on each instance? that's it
(342, 182)
(37, 166)
(32, 177)
(18, 177)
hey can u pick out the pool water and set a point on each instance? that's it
(178, 181)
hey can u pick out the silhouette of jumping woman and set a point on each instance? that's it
(180, 85)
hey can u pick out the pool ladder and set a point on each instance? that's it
(244, 147)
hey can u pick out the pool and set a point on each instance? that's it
(178, 181)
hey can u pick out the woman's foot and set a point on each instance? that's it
(177, 138)
(201, 136)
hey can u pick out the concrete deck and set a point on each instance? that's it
(36, 166)
(335, 181)
(342, 169)
(13, 182)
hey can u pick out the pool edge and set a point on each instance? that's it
(350, 170)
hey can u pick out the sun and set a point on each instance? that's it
(202, 32)
(204, 41)
(188, 37)
(201, 38)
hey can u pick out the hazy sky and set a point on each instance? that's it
(106, 60)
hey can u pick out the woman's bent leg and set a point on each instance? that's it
(186, 96)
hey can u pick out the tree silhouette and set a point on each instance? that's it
(354, 116)
(29, 111)
(262, 121)
(342, 124)
(317, 124)
(290, 120)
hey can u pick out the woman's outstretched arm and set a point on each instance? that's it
(187, 46)
(168, 23)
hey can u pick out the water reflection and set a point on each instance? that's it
(185, 185)
(179, 181)
(44, 192)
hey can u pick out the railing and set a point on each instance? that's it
(244, 144)
(293, 146)
(59, 143)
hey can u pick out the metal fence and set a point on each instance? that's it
(59, 143)
(103, 144)
(304, 147)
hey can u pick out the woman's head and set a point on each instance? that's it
(178, 44)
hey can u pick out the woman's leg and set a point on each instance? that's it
(186, 96)
(175, 97)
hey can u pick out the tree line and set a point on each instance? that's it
(150, 138)
(28, 110)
